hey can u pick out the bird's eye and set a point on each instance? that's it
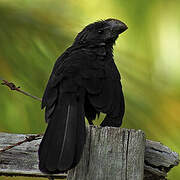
(100, 31)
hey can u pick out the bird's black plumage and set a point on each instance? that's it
(84, 82)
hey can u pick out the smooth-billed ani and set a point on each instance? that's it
(84, 82)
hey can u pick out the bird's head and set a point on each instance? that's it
(105, 31)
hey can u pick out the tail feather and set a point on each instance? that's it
(67, 151)
(63, 141)
(80, 135)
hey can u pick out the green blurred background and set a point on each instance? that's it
(34, 33)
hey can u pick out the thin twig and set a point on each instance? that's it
(27, 139)
(12, 86)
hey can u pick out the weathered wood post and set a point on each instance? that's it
(110, 154)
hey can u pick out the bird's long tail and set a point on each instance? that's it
(63, 141)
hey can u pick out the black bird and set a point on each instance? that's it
(84, 82)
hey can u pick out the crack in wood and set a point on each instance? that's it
(127, 148)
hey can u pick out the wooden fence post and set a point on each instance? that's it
(110, 154)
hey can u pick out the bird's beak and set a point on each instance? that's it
(117, 26)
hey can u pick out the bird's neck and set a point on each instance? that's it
(100, 48)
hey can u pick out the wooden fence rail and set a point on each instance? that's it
(109, 153)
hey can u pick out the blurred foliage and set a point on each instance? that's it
(34, 33)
